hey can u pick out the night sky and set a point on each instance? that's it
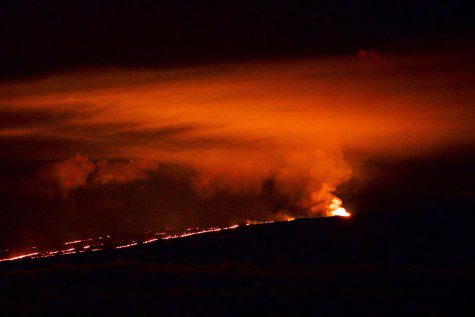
(41, 37)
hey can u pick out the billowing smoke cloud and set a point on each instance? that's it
(79, 171)
(226, 143)
(69, 174)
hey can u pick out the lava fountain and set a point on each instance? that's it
(336, 208)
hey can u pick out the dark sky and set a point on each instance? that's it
(44, 36)
(124, 116)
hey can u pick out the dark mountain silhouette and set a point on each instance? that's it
(387, 263)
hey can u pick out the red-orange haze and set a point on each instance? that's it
(280, 127)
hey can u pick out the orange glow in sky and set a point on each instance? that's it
(239, 124)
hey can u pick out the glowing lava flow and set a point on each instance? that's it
(104, 243)
(98, 243)
(336, 209)
(126, 245)
(20, 257)
(214, 229)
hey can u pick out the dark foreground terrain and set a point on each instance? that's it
(415, 264)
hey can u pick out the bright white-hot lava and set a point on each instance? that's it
(336, 208)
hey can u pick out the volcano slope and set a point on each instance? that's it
(387, 263)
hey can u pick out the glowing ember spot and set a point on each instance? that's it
(150, 241)
(336, 209)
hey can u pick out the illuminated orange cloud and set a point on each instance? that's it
(239, 124)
